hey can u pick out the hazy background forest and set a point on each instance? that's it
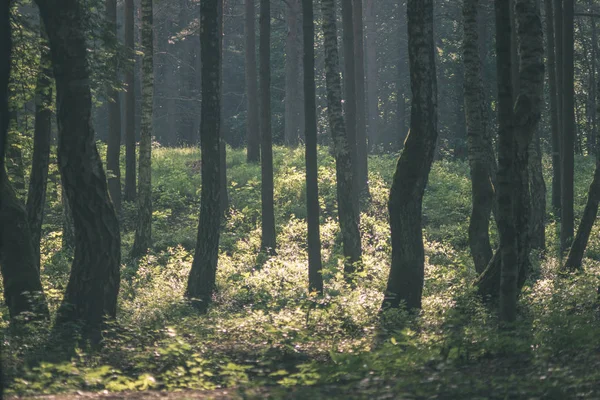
(300, 199)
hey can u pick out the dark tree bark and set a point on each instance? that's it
(93, 286)
(405, 283)
(362, 164)
(36, 196)
(201, 282)
(553, 94)
(590, 213)
(68, 229)
(537, 187)
(479, 144)
(568, 127)
(315, 277)
(19, 263)
(143, 231)
(113, 148)
(344, 170)
(130, 179)
(252, 124)
(268, 241)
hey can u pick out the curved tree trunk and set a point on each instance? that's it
(143, 231)
(315, 277)
(113, 148)
(252, 127)
(93, 286)
(405, 283)
(362, 163)
(201, 282)
(481, 152)
(268, 241)
(130, 180)
(347, 210)
(36, 196)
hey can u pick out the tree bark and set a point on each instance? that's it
(113, 149)
(537, 187)
(130, 170)
(568, 127)
(202, 279)
(36, 196)
(553, 94)
(315, 277)
(362, 163)
(481, 152)
(252, 124)
(268, 241)
(143, 231)
(372, 80)
(405, 283)
(342, 150)
(293, 64)
(93, 286)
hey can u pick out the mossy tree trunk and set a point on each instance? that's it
(143, 231)
(315, 277)
(405, 283)
(91, 293)
(342, 150)
(201, 282)
(481, 151)
(252, 124)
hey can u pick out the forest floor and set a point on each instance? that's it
(265, 336)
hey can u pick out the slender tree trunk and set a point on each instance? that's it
(592, 148)
(478, 142)
(113, 150)
(36, 196)
(143, 231)
(405, 283)
(347, 210)
(130, 179)
(91, 293)
(568, 127)
(538, 194)
(350, 102)
(315, 277)
(268, 241)
(201, 282)
(372, 80)
(222, 144)
(590, 213)
(362, 164)
(252, 124)
(68, 227)
(553, 94)
(292, 71)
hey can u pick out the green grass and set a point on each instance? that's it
(265, 330)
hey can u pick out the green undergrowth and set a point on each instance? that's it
(265, 330)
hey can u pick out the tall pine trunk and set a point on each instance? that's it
(130, 171)
(315, 277)
(201, 282)
(91, 293)
(342, 150)
(268, 241)
(405, 283)
(252, 124)
(143, 231)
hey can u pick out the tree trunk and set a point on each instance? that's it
(538, 195)
(372, 81)
(224, 207)
(5, 63)
(19, 262)
(347, 211)
(91, 293)
(268, 242)
(350, 94)
(405, 283)
(36, 196)
(113, 149)
(292, 72)
(143, 231)
(362, 163)
(478, 142)
(593, 134)
(315, 277)
(130, 179)
(553, 94)
(201, 282)
(252, 124)
(590, 213)
(68, 230)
